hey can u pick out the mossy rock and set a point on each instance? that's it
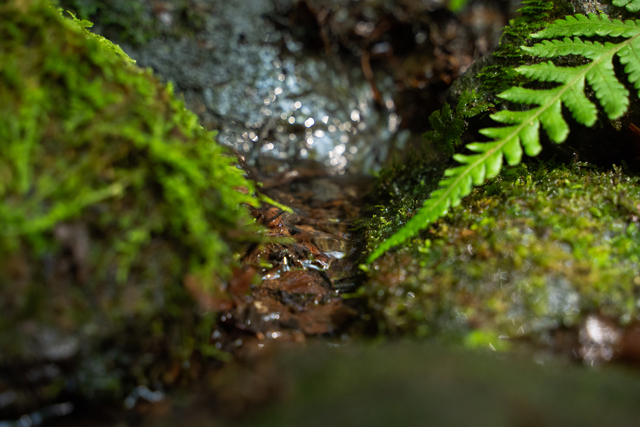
(534, 250)
(496, 73)
(111, 194)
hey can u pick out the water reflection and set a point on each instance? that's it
(316, 111)
(598, 339)
(269, 96)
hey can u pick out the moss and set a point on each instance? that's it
(529, 252)
(128, 21)
(448, 124)
(136, 22)
(424, 384)
(533, 250)
(533, 15)
(111, 194)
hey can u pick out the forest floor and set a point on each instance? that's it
(302, 292)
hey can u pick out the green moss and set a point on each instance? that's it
(534, 250)
(111, 195)
(500, 75)
(136, 22)
(128, 21)
(447, 125)
(411, 384)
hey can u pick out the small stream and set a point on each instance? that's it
(313, 97)
(343, 83)
(271, 98)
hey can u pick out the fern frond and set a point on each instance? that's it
(630, 57)
(631, 5)
(522, 130)
(591, 25)
(555, 48)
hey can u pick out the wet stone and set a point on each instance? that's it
(542, 256)
(295, 293)
(294, 80)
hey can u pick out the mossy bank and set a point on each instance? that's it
(112, 195)
(536, 249)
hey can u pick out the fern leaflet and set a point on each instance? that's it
(631, 5)
(522, 130)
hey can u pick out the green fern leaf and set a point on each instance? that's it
(555, 48)
(630, 57)
(631, 5)
(580, 25)
(522, 130)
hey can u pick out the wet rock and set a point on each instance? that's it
(246, 76)
(538, 250)
(336, 82)
(301, 278)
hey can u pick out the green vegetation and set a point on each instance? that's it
(631, 5)
(111, 196)
(532, 251)
(129, 21)
(523, 132)
(501, 75)
(448, 125)
(411, 384)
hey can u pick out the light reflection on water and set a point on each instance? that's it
(305, 107)
(315, 111)
(270, 97)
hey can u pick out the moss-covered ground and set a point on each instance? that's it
(111, 197)
(534, 250)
